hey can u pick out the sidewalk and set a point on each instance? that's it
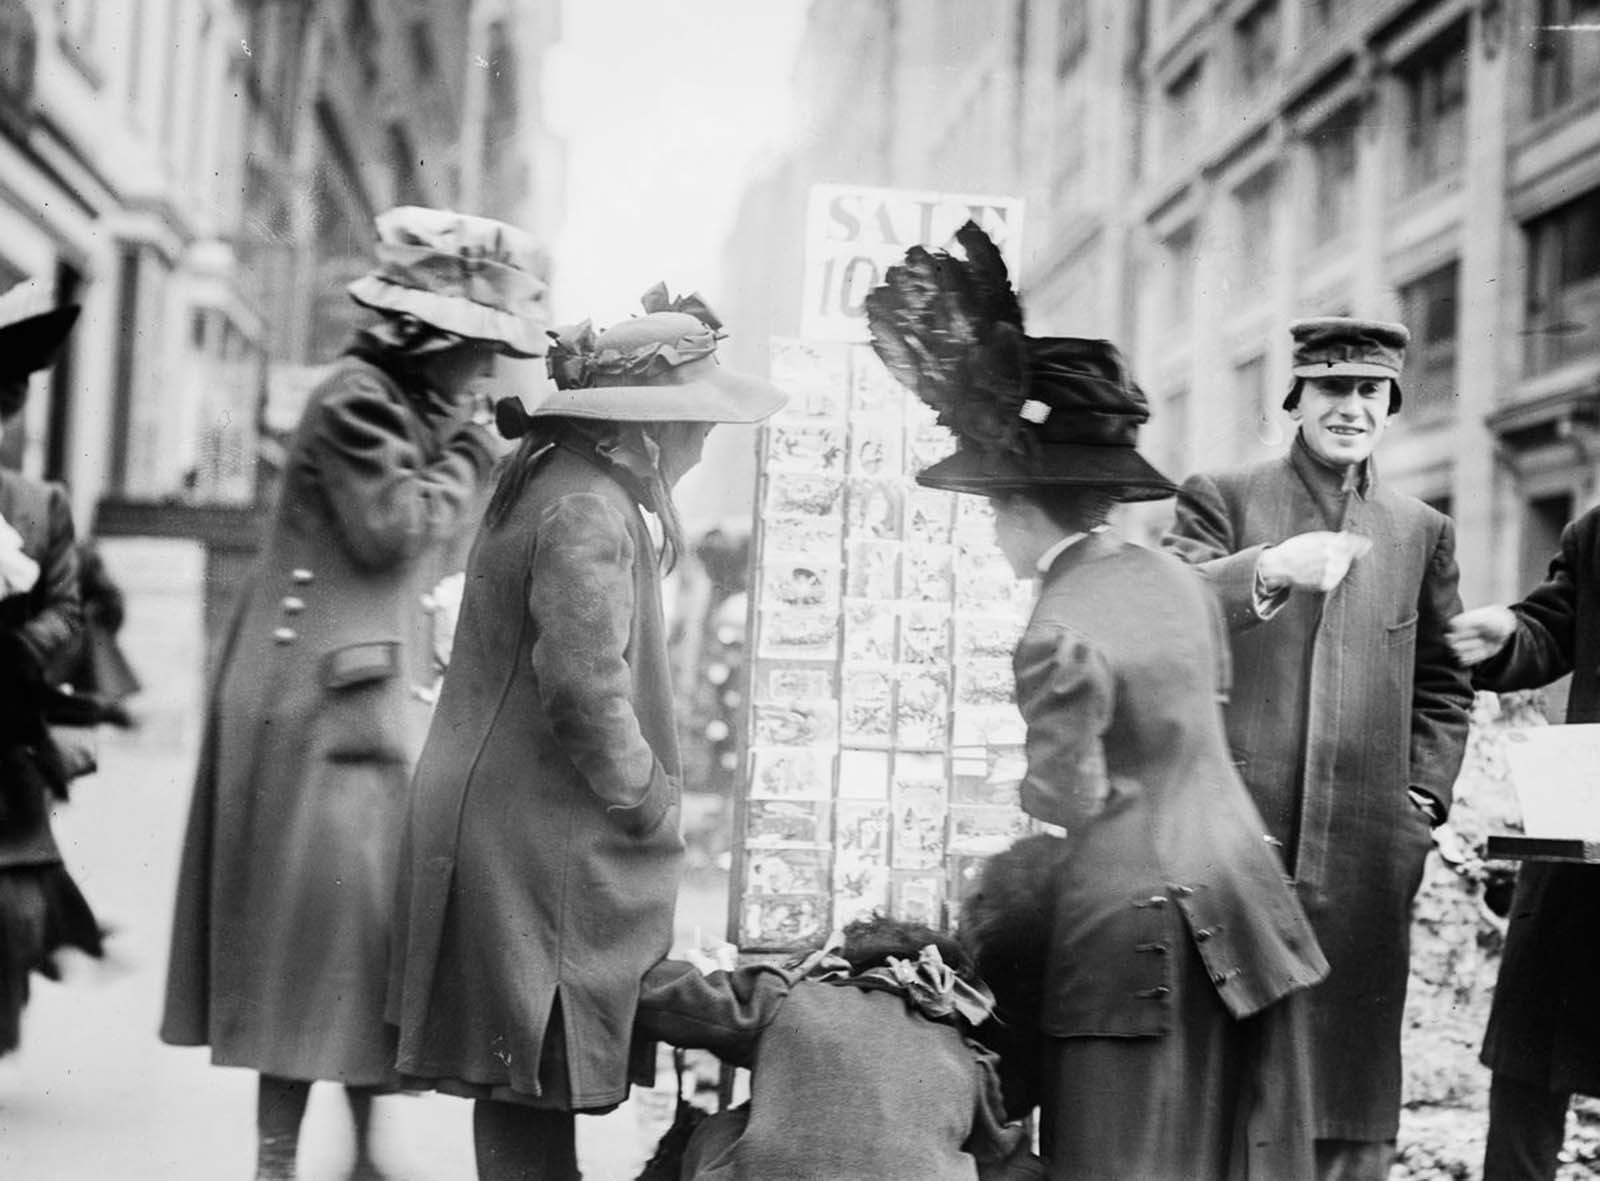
(93, 1094)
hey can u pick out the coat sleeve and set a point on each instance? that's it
(581, 599)
(1064, 690)
(58, 622)
(1202, 535)
(388, 501)
(725, 1012)
(1000, 1148)
(1441, 693)
(1545, 644)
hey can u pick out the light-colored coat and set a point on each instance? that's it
(544, 853)
(1340, 704)
(281, 937)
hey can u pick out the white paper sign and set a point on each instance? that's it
(854, 235)
(1556, 771)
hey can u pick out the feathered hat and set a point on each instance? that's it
(469, 276)
(32, 329)
(1026, 411)
(658, 367)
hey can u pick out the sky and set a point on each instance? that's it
(664, 107)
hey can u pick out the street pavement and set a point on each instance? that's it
(93, 1095)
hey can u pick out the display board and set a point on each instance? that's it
(883, 742)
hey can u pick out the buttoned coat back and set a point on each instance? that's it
(1340, 703)
(544, 853)
(280, 943)
(1120, 674)
(1544, 1027)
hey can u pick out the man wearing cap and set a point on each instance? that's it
(1348, 716)
(280, 946)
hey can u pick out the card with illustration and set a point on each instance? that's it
(984, 681)
(798, 585)
(797, 683)
(787, 871)
(861, 892)
(872, 570)
(985, 829)
(875, 446)
(927, 573)
(798, 633)
(929, 516)
(873, 390)
(986, 637)
(796, 723)
(790, 773)
(861, 833)
(782, 923)
(786, 822)
(926, 444)
(987, 726)
(864, 774)
(807, 446)
(803, 495)
(922, 711)
(873, 509)
(988, 776)
(802, 536)
(869, 629)
(815, 375)
(925, 634)
(867, 704)
(918, 898)
(920, 812)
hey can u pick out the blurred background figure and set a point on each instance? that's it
(41, 907)
(281, 936)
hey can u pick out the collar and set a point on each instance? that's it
(1048, 558)
(927, 984)
(1332, 489)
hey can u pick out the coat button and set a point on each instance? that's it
(284, 635)
(293, 604)
(1182, 891)
(1155, 900)
(1203, 934)
(301, 576)
(1153, 994)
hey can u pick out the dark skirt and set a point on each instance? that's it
(1215, 1099)
(41, 911)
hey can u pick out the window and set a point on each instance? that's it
(1428, 307)
(1254, 201)
(1073, 34)
(1333, 160)
(1435, 85)
(1181, 125)
(422, 55)
(361, 35)
(1175, 430)
(1563, 301)
(1180, 262)
(1255, 44)
(1253, 409)
(1566, 53)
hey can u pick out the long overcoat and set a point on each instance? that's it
(544, 853)
(281, 937)
(1120, 674)
(1544, 1026)
(1341, 703)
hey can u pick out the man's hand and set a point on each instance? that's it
(1476, 635)
(1310, 561)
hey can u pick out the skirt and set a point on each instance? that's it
(41, 911)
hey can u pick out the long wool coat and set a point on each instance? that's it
(847, 1082)
(1544, 1027)
(544, 853)
(1120, 673)
(1341, 703)
(281, 938)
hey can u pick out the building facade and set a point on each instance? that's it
(1198, 173)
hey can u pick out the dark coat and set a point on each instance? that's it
(1120, 673)
(544, 853)
(1544, 1026)
(1340, 704)
(281, 938)
(35, 626)
(847, 1082)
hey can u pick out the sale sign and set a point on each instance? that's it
(854, 235)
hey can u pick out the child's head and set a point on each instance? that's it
(868, 944)
(1006, 921)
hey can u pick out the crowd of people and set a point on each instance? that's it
(1240, 741)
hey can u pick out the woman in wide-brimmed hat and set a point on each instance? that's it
(281, 939)
(543, 847)
(41, 908)
(1172, 1037)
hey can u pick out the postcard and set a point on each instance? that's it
(864, 774)
(869, 631)
(801, 494)
(795, 633)
(874, 509)
(867, 708)
(796, 723)
(790, 773)
(875, 446)
(785, 822)
(872, 569)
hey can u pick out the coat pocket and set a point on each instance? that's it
(359, 714)
(1402, 634)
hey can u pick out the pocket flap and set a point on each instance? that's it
(355, 664)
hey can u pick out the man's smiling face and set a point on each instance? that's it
(1342, 418)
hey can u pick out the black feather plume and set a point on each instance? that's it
(950, 330)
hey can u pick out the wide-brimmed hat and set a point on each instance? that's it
(658, 367)
(1026, 411)
(1339, 346)
(32, 329)
(473, 277)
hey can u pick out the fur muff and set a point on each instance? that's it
(1006, 922)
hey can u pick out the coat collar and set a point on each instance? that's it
(1087, 549)
(1330, 487)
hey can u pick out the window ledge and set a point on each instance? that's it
(1574, 110)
